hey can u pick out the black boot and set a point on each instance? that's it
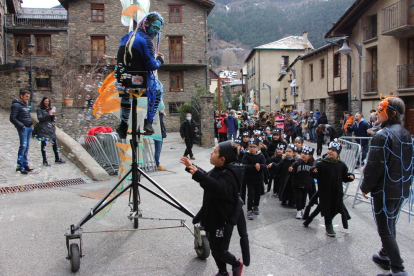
(382, 261)
(122, 130)
(148, 127)
(59, 161)
(307, 222)
(329, 230)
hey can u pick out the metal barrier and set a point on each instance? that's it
(358, 198)
(92, 145)
(348, 155)
(108, 142)
(148, 151)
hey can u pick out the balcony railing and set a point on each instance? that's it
(370, 32)
(405, 75)
(182, 57)
(38, 20)
(371, 81)
(395, 19)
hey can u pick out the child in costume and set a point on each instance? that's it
(275, 141)
(320, 138)
(276, 159)
(330, 173)
(137, 53)
(301, 179)
(282, 169)
(255, 164)
(299, 144)
(220, 210)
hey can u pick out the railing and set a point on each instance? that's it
(182, 57)
(405, 76)
(394, 16)
(371, 81)
(370, 32)
(38, 20)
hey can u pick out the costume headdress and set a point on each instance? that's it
(281, 146)
(308, 150)
(292, 147)
(335, 145)
(383, 106)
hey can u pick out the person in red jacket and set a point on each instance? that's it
(222, 131)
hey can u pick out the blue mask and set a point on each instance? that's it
(154, 29)
(189, 118)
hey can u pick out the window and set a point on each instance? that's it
(20, 44)
(322, 68)
(311, 72)
(286, 93)
(173, 107)
(176, 81)
(337, 65)
(43, 45)
(97, 49)
(285, 61)
(175, 14)
(98, 12)
(176, 49)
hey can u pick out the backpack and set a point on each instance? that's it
(219, 124)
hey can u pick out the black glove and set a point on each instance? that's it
(160, 59)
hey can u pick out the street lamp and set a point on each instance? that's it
(270, 94)
(346, 50)
(30, 50)
(293, 84)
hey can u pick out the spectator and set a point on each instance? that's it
(158, 144)
(359, 128)
(305, 126)
(232, 126)
(46, 131)
(376, 126)
(222, 131)
(245, 116)
(312, 124)
(317, 115)
(20, 118)
(261, 122)
(323, 120)
(348, 121)
(289, 128)
(373, 117)
(187, 131)
(388, 178)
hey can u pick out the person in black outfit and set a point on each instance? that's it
(275, 141)
(388, 176)
(282, 169)
(330, 173)
(320, 135)
(301, 179)
(220, 210)
(187, 132)
(20, 118)
(276, 159)
(46, 130)
(255, 164)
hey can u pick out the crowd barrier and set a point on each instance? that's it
(102, 147)
(407, 207)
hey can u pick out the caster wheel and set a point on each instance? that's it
(203, 251)
(74, 257)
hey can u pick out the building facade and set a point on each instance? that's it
(384, 29)
(264, 64)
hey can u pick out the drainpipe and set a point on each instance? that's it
(206, 39)
(349, 83)
(5, 35)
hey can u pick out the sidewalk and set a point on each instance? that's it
(8, 156)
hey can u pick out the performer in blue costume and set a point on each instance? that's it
(388, 176)
(137, 53)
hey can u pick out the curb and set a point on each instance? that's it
(83, 160)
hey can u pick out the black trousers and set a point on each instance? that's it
(318, 148)
(189, 145)
(55, 149)
(386, 227)
(300, 198)
(253, 195)
(219, 249)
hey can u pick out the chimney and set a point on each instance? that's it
(305, 37)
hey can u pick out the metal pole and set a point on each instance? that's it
(360, 81)
(218, 95)
(31, 84)
(270, 98)
(294, 88)
(349, 83)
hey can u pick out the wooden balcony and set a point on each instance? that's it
(405, 76)
(184, 58)
(371, 82)
(396, 20)
(370, 33)
(37, 21)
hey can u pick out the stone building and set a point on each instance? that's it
(265, 62)
(291, 93)
(184, 41)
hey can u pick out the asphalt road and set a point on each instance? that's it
(33, 224)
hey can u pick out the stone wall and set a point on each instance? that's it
(12, 82)
(76, 121)
(207, 121)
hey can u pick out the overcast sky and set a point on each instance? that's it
(39, 3)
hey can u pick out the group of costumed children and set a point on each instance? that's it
(292, 170)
